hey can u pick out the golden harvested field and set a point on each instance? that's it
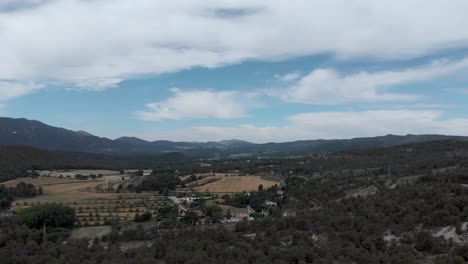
(232, 184)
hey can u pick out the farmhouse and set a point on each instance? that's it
(238, 218)
(243, 216)
(188, 200)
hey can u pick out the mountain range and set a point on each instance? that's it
(24, 132)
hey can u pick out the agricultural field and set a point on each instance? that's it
(95, 201)
(40, 181)
(123, 208)
(226, 183)
(63, 189)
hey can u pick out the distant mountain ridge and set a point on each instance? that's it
(37, 134)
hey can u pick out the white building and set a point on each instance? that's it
(188, 199)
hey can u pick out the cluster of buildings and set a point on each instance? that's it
(239, 215)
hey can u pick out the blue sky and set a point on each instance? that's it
(252, 70)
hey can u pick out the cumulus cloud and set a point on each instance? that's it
(107, 41)
(328, 125)
(327, 86)
(197, 104)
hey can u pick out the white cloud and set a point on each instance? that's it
(327, 86)
(97, 44)
(328, 125)
(420, 106)
(458, 90)
(197, 104)
(288, 77)
(12, 89)
(15, 5)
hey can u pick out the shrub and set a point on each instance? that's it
(143, 217)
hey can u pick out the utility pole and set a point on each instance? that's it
(44, 236)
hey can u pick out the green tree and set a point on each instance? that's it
(190, 218)
(215, 213)
(56, 216)
(260, 187)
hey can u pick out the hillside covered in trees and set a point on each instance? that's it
(404, 204)
(20, 161)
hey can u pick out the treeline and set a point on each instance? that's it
(163, 182)
(22, 190)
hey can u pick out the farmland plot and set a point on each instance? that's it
(92, 207)
(220, 183)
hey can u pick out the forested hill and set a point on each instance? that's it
(418, 158)
(15, 161)
(36, 134)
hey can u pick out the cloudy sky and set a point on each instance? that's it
(246, 69)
